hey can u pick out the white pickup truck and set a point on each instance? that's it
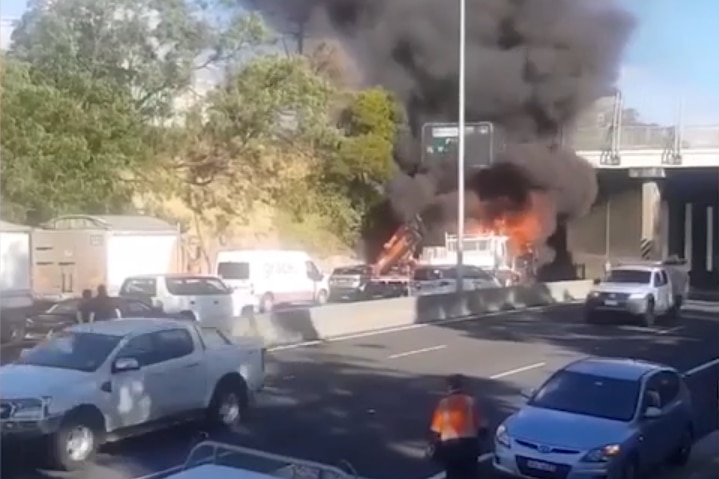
(644, 290)
(100, 382)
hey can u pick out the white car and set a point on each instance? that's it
(442, 279)
(205, 299)
(100, 382)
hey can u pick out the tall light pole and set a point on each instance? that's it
(460, 142)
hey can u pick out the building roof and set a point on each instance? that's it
(7, 227)
(110, 222)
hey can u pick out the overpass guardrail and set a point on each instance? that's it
(643, 137)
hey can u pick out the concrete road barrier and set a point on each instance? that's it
(311, 324)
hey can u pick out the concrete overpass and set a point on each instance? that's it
(659, 196)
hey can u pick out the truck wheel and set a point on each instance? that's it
(649, 316)
(75, 443)
(229, 403)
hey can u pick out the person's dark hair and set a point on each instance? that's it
(102, 290)
(455, 382)
(86, 293)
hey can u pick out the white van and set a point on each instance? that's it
(273, 276)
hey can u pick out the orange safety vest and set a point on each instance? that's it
(456, 417)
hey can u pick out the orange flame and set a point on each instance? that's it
(525, 227)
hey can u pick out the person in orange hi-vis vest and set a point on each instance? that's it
(456, 430)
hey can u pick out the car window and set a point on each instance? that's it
(312, 270)
(141, 348)
(64, 307)
(173, 344)
(139, 286)
(195, 286)
(589, 395)
(629, 276)
(667, 385)
(235, 270)
(67, 350)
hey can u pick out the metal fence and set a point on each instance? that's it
(614, 128)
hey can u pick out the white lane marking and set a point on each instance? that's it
(417, 351)
(483, 458)
(409, 327)
(670, 330)
(511, 372)
(702, 367)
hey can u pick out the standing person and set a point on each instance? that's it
(455, 431)
(84, 308)
(103, 307)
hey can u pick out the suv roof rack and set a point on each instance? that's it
(273, 464)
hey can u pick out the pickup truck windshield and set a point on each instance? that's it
(195, 286)
(78, 351)
(628, 276)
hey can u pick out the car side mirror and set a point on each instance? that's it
(596, 281)
(125, 364)
(652, 412)
(527, 393)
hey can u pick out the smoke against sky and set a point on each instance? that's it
(532, 67)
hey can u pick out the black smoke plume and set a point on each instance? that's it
(532, 67)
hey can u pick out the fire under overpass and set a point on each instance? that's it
(659, 196)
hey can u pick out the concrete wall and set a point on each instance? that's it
(336, 320)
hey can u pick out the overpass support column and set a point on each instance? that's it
(655, 221)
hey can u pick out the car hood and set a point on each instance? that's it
(558, 428)
(627, 288)
(26, 380)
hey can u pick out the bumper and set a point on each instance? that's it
(631, 306)
(505, 464)
(13, 431)
(345, 294)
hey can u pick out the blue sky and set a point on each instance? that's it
(672, 55)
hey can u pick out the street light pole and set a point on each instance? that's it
(461, 143)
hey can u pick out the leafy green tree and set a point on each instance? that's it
(254, 140)
(151, 49)
(364, 160)
(65, 152)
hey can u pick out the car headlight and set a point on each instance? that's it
(32, 409)
(602, 454)
(502, 437)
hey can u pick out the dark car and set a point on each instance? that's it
(348, 283)
(64, 314)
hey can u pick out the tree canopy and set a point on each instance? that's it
(113, 105)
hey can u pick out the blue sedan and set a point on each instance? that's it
(599, 419)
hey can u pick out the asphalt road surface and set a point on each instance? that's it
(367, 400)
